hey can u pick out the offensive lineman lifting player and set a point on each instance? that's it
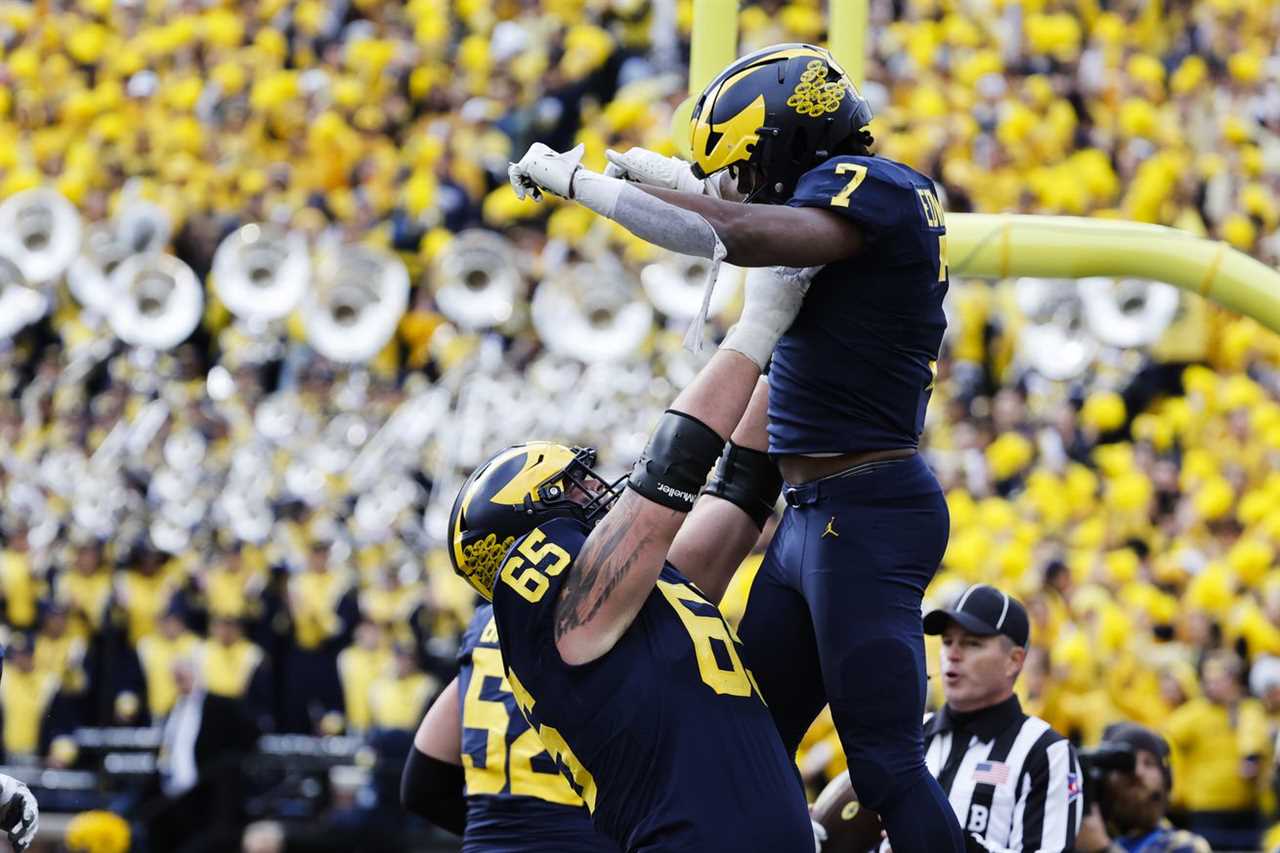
(618, 660)
(834, 613)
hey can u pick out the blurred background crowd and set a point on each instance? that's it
(242, 513)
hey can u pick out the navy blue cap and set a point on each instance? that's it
(986, 611)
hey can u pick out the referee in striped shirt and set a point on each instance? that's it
(1014, 782)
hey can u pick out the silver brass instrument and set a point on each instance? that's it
(477, 280)
(356, 302)
(1054, 341)
(676, 283)
(261, 271)
(89, 278)
(143, 226)
(40, 232)
(159, 301)
(585, 312)
(20, 305)
(1128, 312)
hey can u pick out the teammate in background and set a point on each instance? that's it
(619, 660)
(834, 613)
(19, 812)
(477, 769)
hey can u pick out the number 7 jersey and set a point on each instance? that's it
(855, 370)
(666, 737)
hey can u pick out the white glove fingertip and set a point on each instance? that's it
(617, 167)
(819, 835)
(514, 176)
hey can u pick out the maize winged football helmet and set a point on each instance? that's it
(513, 492)
(782, 110)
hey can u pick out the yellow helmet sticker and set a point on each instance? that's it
(481, 559)
(814, 95)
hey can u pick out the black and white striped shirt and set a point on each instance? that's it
(1015, 783)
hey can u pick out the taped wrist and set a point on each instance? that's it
(595, 191)
(674, 465)
(655, 221)
(748, 479)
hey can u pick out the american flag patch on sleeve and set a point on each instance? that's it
(1073, 787)
(991, 773)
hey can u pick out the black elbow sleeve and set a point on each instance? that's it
(433, 789)
(674, 466)
(749, 479)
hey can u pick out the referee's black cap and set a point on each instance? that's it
(983, 610)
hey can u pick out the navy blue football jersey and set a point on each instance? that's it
(665, 737)
(516, 798)
(855, 370)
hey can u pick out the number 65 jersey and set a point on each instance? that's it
(666, 737)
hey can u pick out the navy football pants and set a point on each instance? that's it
(834, 616)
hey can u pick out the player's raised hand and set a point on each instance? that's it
(19, 813)
(542, 169)
(772, 298)
(656, 170)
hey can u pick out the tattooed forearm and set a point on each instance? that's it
(604, 562)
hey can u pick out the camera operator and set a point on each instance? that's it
(1127, 786)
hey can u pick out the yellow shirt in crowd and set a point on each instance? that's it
(315, 600)
(158, 654)
(61, 658)
(87, 595)
(226, 591)
(358, 668)
(25, 696)
(1209, 742)
(387, 606)
(227, 669)
(145, 600)
(398, 703)
(21, 591)
(734, 602)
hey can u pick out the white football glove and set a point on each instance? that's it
(544, 170)
(772, 297)
(19, 813)
(653, 169)
(819, 835)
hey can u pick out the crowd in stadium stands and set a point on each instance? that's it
(1135, 508)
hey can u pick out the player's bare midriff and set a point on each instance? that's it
(804, 469)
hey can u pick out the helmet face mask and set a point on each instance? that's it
(515, 491)
(782, 110)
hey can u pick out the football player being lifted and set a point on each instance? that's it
(834, 613)
(613, 650)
